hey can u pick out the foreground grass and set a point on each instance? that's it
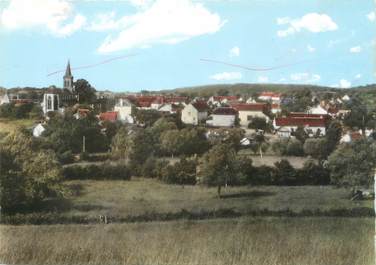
(142, 196)
(268, 241)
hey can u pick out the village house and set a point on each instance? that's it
(249, 111)
(222, 117)
(195, 112)
(111, 116)
(313, 124)
(219, 100)
(124, 107)
(81, 113)
(275, 108)
(270, 96)
(4, 99)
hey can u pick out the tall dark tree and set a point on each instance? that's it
(85, 92)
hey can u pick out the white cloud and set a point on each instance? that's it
(234, 52)
(104, 22)
(305, 77)
(355, 49)
(54, 15)
(165, 21)
(310, 48)
(141, 3)
(262, 79)
(226, 76)
(371, 16)
(312, 22)
(358, 76)
(343, 83)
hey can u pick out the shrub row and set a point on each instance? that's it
(102, 171)
(53, 218)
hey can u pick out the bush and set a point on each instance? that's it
(104, 171)
(294, 148)
(182, 172)
(284, 173)
(313, 174)
(66, 157)
(263, 175)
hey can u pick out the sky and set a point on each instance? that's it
(133, 45)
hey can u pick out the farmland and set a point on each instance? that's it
(261, 241)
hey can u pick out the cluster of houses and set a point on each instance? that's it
(215, 111)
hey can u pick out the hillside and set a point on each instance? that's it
(249, 89)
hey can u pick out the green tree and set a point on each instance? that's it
(333, 136)
(353, 164)
(258, 123)
(12, 182)
(315, 148)
(85, 92)
(216, 167)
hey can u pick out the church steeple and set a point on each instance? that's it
(68, 70)
(68, 78)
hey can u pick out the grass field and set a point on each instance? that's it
(140, 196)
(7, 125)
(261, 241)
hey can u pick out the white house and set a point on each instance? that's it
(168, 108)
(4, 99)
(219, 100)
(313, 125)
(249, 111)
(222, 117)
(38, 130)
(124, 109)
(194, 112)
(318, 110)
(270, 96)
(346, 98)
(275, 108)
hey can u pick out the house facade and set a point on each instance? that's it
(222, 117)
(313, 125)
(247, 112)
(194, 113)
(124, 108)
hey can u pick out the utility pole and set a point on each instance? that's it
(83, 144)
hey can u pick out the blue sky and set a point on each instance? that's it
(307, 42)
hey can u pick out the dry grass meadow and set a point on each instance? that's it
(259, 241)
(7, 125)
(141, 196)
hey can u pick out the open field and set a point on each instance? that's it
(142, 196)
(261, 241)
(7, 125)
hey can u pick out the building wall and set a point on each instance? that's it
(190, 115)
(123, 112)
(223, 120)
(243, 116)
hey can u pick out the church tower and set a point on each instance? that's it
(68, 79)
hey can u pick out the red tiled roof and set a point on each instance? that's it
(300, 121)
(200, 106)
(249, 106)
(225, 111)
(108, 116)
